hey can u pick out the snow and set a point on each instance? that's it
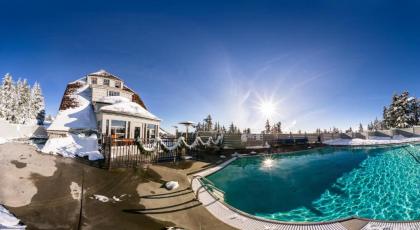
(2, 140)
(131, 108)
(81, 117)
(106, 199)
(113, 99)
(172, 185)
(75, 190)
(74, 145)
(8, 220)
(10, 131)
(101, 198)
(398, 139)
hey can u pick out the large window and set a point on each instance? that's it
(151, 131)
(94, 80)
(113, 93)
(106, 82)
(118, 129)
(118, 84)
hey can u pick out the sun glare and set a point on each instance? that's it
(267, 108)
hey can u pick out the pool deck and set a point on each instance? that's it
(240, 220)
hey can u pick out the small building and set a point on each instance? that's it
(102, 103)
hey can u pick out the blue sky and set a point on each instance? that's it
(323, 63)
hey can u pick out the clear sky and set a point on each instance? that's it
(322, 63)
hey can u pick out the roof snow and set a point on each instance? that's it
(123, 105)
(113, 99)
(80, 117)
(104, 73)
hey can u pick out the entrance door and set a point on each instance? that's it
(137, 132)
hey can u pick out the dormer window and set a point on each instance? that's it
(106, 82)
(94, 80)
(117, 84)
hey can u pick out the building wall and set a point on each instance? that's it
(102, 91)
(134, 122)
(100, 81)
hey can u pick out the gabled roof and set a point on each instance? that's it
(105, 74)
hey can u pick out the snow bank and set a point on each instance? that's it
(74, 145)
(81, 117)
(8, 220)
(2, 140)
(131, 108)
(9, 131)
(372, 141)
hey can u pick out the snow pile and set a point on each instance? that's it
(81, 117)
(106, 199)
(2, 140)
(372, 141)
(131, 108)
(171, 185)
(74, 145)
(8, 220)
(10, 131)
(113, 99)
(101, 198)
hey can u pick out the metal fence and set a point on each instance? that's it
(125, 153)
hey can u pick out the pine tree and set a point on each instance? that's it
(402, 111)
(37, 104)
(7, 97)
(208, 123)
(267, 127)
(360, 128)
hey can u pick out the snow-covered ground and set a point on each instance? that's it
(373, 141)
(9, 131)
(74, 145)
(8, 220)
(81, 117)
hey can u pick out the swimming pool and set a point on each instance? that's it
(327, 184)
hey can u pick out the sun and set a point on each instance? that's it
(267, 108)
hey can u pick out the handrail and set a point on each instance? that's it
(409, 152)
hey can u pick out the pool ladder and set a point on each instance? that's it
(409, 152)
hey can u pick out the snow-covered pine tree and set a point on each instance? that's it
(412, 111)
(385, 117)
(7, 97)
(37, 104)
(402, 111)
(391, 112)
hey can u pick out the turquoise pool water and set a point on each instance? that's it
(380, 183)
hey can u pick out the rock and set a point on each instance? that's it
(171, 185)
(222, 156)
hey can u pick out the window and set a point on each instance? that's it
(94, 80)
(151, 131)
(117, 84)
(118, 129)
(106, 82)
(113, 93)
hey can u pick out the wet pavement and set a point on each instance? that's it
(52, 192)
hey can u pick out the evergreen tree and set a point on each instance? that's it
(208, 123)
(402, 111)
(267, 127)
(37, 104)
(7, 98)
(360, 128)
